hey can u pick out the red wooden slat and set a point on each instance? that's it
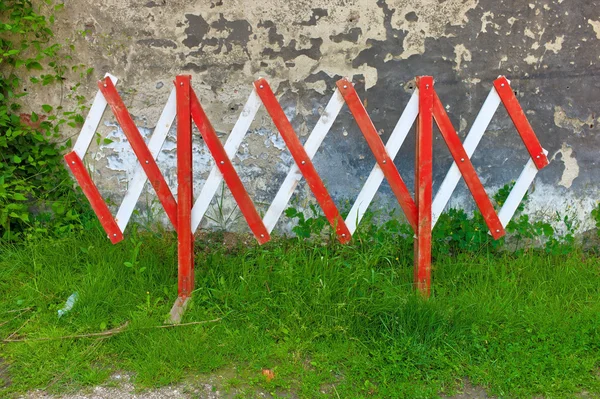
(520, 121)
(385, 162)
(185, 239)
(423, 189)
(302, 160)
(466, 168)
(140, 149)
(93, 195)
(226, 168)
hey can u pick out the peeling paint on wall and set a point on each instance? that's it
(571, 167)
(433, 17)
(556, 45)
(574, 124)
(462, 54)
(596, 26)
(548, 49)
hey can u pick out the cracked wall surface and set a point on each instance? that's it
(548, 49)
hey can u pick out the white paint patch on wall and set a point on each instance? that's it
(571, 166)
(596, 26)
(531, 59)
(542, 206)
(486, 19)
(462, 54)
(561, 119)
(556, 45)
(119, 154)
(529, 33)
(433, 18)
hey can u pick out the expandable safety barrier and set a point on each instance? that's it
(422, 212)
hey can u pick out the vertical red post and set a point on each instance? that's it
(185, 239)
(423, 185)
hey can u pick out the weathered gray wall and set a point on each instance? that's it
(548, 49)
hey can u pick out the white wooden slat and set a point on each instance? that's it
(376, 177)
(311, 146)
(232, 144)
(518, 192)
(136, 185)
(471, 142)
(92, 121)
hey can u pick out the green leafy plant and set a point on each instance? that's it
(133, 262)
(526, 234)
(36, 196)
(596, 217)
(457, 231)
(307, 226)
(220, 216)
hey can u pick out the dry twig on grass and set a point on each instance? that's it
(104, 334)
(107, 333)
(18, 310)
(191, 323)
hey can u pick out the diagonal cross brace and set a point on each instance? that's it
(483, 119)
(521, 123)
(311, 146)
(466, 168)
(500, 93)
(232, 179)
(302, 159)
(233, 142)
(140, 149)
(137, 183)
(395, 141)
(114, 227)
(384, 160)
(93, 195)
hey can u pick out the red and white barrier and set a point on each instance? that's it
(422, 212)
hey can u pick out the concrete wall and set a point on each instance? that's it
(548, 49)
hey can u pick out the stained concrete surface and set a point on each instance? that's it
(548, 49)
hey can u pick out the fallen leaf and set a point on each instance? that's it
(269, 374)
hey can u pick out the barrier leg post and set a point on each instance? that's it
(185, 239)
(423, 185)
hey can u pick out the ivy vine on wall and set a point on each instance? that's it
(36, 192)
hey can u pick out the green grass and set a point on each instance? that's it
(326, 318)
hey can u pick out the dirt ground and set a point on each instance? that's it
(120, 387)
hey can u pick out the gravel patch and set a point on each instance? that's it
(120, 387)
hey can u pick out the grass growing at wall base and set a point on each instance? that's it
(329, 320)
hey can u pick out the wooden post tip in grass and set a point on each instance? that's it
(178, 310)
